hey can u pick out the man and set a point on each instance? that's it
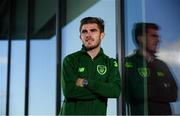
(89, 76)
(150, 86)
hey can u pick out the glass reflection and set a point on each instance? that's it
(152, 86)
(153, 11)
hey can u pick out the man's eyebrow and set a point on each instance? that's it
(93, 29)
(155, 35)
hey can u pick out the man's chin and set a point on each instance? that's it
(153, 52)
(90, 48)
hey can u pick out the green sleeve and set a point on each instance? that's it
(70, 75)
(111, 88)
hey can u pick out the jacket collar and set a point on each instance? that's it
(146, 56)
(83, 50)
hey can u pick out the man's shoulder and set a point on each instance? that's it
(131, 60)
(112, 61)
(132, 57)
(73, 55)
(160, 62)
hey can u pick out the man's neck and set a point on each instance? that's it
(93, 53)
(149, 57)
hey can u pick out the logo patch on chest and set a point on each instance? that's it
(101, 69)
(144, 72)
(160, 74)
(81, 69)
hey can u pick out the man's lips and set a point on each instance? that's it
(89, 40)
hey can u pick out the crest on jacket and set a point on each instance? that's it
(144, 72)
(101, 69)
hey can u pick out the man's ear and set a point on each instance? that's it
(80, 37)
(102, 35)
(140, 40)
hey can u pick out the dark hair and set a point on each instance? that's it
(141, 28)
(98, 21)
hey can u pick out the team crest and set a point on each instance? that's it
(115, 64)
(160, 74)
(144, 72)
(101, 69)
(81, 69)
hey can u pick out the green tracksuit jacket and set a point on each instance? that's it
(150, 86)
(103, 82)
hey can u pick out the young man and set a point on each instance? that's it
(89, 76)
(150, 86)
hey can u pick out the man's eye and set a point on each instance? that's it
(154, 35)
(93, 30)
(83, 31)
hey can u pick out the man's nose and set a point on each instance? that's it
(158, 39)
(88, 33)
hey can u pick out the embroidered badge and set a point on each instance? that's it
(128, 65)
(81, 69)
(101, 69)
(115, 64)
(160, 74)
(144, 72)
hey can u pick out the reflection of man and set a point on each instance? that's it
(89, 76)
(150, 86)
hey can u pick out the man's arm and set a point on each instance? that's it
(164, 87)
(70, 89)
(110, 89)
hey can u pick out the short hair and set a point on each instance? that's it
(88, 20)
(141, 28)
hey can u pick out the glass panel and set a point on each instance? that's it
(169, 50)
(42, 83)
(165, 15)
(42, 28)
(17, 78)
(75, 11)
(134, 12)
(18, 57)
(4, 26)
(3, 75)
(42, 98)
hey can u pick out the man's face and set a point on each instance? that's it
(91, 36)
(152, 41)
